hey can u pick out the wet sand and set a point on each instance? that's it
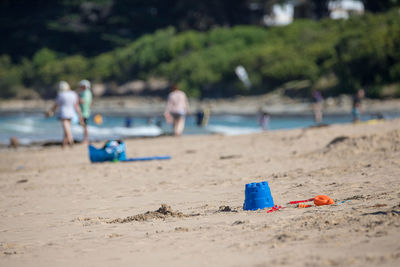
(57, 209)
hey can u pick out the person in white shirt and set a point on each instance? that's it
(177, 109)
(67, 103)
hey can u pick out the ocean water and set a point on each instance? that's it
(34, 127)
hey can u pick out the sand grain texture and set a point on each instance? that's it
(57, 209)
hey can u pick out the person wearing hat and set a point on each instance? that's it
(67, 104)
(85, 101)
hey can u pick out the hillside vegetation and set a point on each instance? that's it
(336, 56)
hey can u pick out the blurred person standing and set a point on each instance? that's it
(128, 122)
(67, 103)
(357, 108)
(85, 102)
(317, 101)
(202, 117)
(176, 110)
(263, 120)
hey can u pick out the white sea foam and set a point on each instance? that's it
(18, 127)
(229, 130)
(232, 118)
(151, 130)
(113, 132)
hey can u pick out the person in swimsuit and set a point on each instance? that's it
(67, 103)
(177, 109)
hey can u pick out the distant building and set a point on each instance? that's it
(283, 14)
(345, 8)
(280, 15)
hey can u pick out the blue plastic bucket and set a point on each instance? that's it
(257, 196)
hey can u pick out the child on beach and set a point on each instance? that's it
(85, 101)
(357, 109)
(177, 109)
(67, 103)
(263, 120)
(317, 101)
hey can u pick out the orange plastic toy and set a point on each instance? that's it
(98, 119)
(321, 200)
(303, 205)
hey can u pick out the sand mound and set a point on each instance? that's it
(337, 140)
(163, 212)
(364, 144)
(226, 209)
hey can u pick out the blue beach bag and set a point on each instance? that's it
(113, 150)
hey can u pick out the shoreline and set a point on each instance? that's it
(57, 143)
(242, 105)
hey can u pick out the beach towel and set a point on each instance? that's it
(115, 150)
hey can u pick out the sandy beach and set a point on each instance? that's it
(58, 209)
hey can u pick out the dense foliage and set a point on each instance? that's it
(338, 56)
(91, 27)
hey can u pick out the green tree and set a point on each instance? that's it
(10, 77)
